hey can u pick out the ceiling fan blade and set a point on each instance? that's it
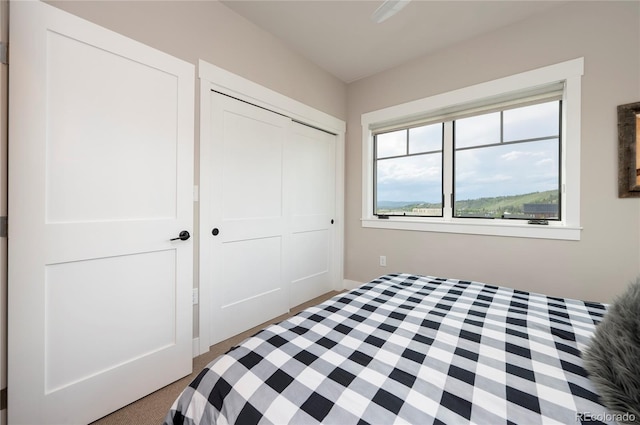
(387, 9)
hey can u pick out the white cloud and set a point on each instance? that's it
(410, 169)
(515, 155)
(495, 178)
(545, 161)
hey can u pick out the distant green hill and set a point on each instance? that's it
(495, 206)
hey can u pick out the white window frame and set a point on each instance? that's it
(568, 228)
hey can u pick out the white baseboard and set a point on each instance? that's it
(350, 284)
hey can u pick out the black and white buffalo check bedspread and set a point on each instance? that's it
(408, 349)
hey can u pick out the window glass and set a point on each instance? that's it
(516, 180)
(409, 185)
(478, 130)
(391, 144)
(529, 122)
(425, 139)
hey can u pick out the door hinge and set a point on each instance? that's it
(4, 227)
(4, 53)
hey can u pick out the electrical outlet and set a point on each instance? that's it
(383, 260)
(194, 296)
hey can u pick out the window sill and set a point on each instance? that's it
(478, 227)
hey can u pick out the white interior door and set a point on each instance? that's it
(311, 160)
(244, 223)
(101, 178)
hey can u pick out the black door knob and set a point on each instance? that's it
(183, 236)
(215, 232)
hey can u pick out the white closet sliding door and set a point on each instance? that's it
(311, 164)
(244, 232)
(267, 214)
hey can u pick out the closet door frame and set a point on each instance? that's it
(213, 78)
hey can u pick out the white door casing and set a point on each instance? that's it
(4, 115)
(101, 177)
(213, 78)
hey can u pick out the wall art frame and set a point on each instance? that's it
(628, 150)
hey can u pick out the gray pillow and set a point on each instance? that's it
(612, 358)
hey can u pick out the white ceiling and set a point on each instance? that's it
(340, 37)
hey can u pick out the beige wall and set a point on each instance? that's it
(608, 256)
(210, 31)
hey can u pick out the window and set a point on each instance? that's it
(408, 171)
(507, 164)
(499, 158)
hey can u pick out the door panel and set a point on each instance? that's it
(138, 329)
(101, 178)
(244, 200)
(241, 284)
(311, 163)
(84, 155)
(252, 145)
(310, 255)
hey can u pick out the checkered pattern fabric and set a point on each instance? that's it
(408, 349)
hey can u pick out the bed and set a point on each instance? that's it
(408, 349)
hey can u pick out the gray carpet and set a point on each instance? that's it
(152, 409)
